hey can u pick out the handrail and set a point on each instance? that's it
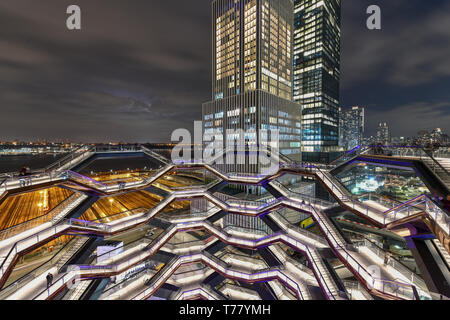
(355, 152)
(436, 162)
(120, 285)
(13, 285)
(349, 258)
(116, 216)
(89, 180)
(212, 261)
(156, 242)
(7, 258)
(271, 203)
(70, 156)
(393, 262)
(6, 233)
(53, 230)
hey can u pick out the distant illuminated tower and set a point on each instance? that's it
(252, 75)
(383, 135)
(351, 127)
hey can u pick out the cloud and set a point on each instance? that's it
(139, 70)
(408, 119)
(119, 78)
(411, 49)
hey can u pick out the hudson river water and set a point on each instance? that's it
(15, 163)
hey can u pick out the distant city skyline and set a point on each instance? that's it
(139, 80)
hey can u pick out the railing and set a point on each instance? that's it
(27, 225)
(415, 152)
(111, 253)
(86, 180)
(205, 257)
(121, 215)
(141, 273)
(437, 163)
(188, 216)
(292, 194)
(155, 155)
(29, 241)
(385, 286)
(205, 291)
(197, 187)
(30, 180)
(75, 155)
(349, 155)
(117, 148)
(44, 267)
(299, 230)
(439, 215)
(397, 265)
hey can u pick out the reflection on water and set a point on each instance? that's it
(34, 162)
(137, 163)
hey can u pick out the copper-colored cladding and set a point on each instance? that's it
(109, 206)
(106, 207)
(24, 207)
(125, 176)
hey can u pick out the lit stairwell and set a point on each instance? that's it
(441, 169)
(77, 292)
(445, 255)
(69, 204)
(78, 244)
(317, 260)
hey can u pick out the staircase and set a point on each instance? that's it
(74, 201)
(445, 255)
(317, 260)
(442, 170)
(71, 252)
(78, 291)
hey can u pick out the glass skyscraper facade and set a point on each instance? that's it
(253, 75)
(383, 134)
(351, 127)
(317, 31)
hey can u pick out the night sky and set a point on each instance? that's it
(139, 69)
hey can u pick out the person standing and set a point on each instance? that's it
(387, 258)
(49, 280)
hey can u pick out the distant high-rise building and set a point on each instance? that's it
(383, 134)
(436, 136)
(351, 127)
(253, 76)
(317, 31)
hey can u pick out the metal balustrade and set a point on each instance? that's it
(220, 266)
(254, 208)
(52, 216)
(106, 268)
(412, 277)
(204, 291)
(333, 236)
(60, 258)
(381, 217)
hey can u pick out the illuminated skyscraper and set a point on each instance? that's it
(252, 75)
(317, 31)
(383, 134)
(351, 127)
